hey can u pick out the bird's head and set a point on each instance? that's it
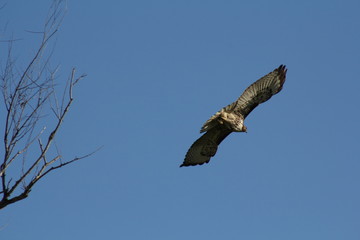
(244, 128)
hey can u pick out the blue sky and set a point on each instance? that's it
(157, 70)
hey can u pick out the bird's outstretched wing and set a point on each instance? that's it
(259, 92)
(205, 147)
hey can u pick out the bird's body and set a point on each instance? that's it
(231, 118)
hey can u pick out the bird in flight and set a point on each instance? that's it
(231, 118)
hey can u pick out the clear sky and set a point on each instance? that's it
(157, 70)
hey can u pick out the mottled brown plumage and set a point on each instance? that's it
(231, 118)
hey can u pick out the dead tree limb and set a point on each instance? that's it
(33, 115)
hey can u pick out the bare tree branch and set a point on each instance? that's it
(34, 115)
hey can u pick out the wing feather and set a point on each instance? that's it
(205, 147)
(259, 92)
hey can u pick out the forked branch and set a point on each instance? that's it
(33, 115)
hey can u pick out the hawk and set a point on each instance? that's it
(231, 118)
